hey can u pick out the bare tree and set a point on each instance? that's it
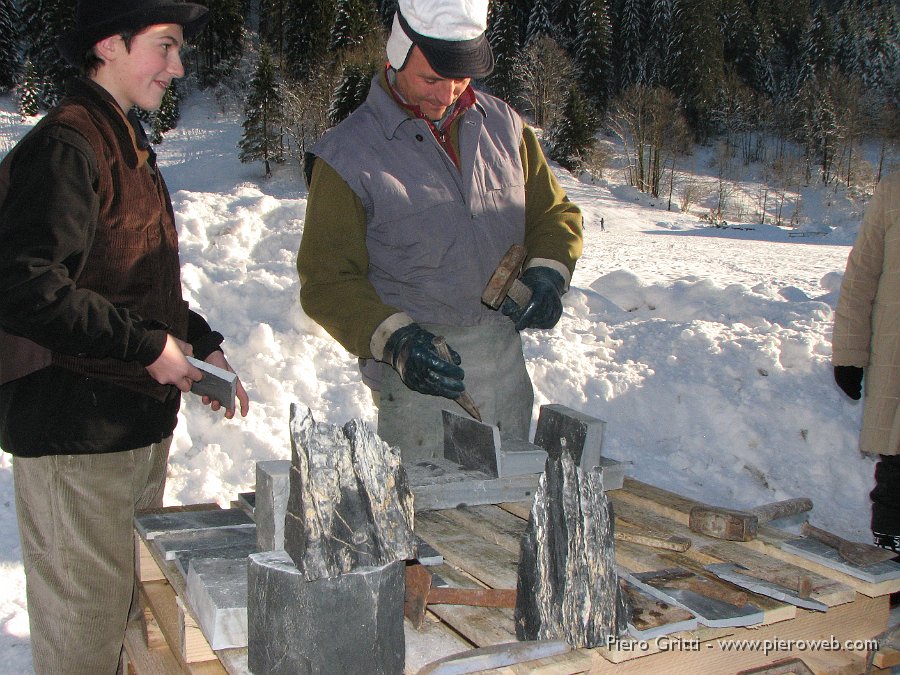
(305, 109)
(652, 128)
(545, 71)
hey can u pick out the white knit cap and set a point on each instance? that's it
(450, 33)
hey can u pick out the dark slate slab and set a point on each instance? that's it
(169, 545)
(561, 427)
(350, 504)
(824, 554)
(567, 583)
(151, 525)
(352, 623)
(217, 383)
(471, 444)
(230, 551)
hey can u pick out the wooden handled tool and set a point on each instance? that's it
(465, 401)
(733, 525)
(420, 593)
(858, 554)
(505, 281)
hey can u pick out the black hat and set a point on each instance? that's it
(98, 19)
(450, 33)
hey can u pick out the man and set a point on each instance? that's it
(866, 340)
(94, 330)
(413, 201)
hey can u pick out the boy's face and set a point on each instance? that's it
(139, 75)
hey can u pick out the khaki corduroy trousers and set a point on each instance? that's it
(76, 522)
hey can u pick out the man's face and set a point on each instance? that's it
(421, 86)
(139, 75)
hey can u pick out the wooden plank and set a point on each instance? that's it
(144, 661)
(160, 598)
(768, 541)
(491, 523)
(489, 563)
(192, 643)
(146, 568)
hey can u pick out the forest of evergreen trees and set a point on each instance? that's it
(799, 85)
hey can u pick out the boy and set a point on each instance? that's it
(93, 329)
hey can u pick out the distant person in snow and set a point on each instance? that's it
(413, 201)
(866, 350)
(94, 330)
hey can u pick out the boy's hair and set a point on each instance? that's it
(90, 62)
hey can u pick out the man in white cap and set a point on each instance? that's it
(413, 201)
(94, 330)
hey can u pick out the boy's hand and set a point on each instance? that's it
(217, 358)
(171, 367)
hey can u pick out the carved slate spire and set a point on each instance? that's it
(350, 505)
(567, 586)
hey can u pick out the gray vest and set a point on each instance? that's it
(435, 234)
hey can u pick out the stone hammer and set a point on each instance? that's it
(504, 282)
(733, 525)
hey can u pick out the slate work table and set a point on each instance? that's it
(480, 547)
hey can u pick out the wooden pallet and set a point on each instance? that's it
(480, 546)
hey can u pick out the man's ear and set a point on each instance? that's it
(109, 47)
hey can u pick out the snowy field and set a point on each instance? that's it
(706, 350)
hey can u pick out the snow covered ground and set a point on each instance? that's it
(706, 350)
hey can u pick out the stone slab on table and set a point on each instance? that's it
(152, 524)
(217, 594)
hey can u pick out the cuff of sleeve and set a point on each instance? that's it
(151, 346)
(207, 344)
(554, 265)
(385, 329)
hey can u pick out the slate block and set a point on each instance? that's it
(559, 426)
(247, 502)
(217, 594)
(217, 383)
(352, 623)
(273, 486)
(230, 551)
(517, 458)
(612, 473)
(442, 484)
(151, 525)
(471, 444)
(169, 545)
(427, 554)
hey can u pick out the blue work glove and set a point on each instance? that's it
(412, 354)
(545, 306)
(849, 378)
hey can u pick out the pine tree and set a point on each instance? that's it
(503, 34)
(700, 63)
(818, 46)
(45, 21)
(166, 118)
(354, 20)
(661, 47)
(307, 35)
(273, 21)
(572, 135)
(262, 138)
(29, 91)
(10, 66)
(629, 49)
(539, 23)
(350, 92)
(592, 62)
(219, 45)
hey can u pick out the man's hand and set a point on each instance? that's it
(411, 352)
(217, 358)
(849, 378)
(171, 367)
(545, 307)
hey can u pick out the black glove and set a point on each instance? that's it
(412, 354)
(849, 378)
(545, 306)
